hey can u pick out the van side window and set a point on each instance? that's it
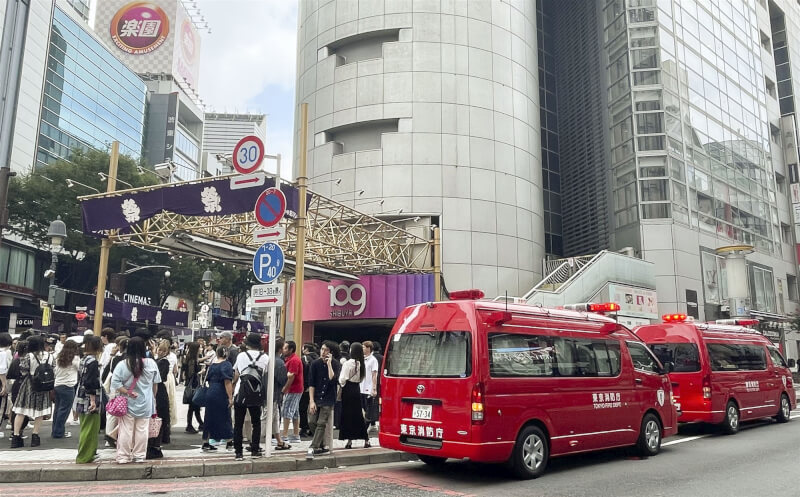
(777, 358)
(517, 355)
(735, 357)
(643, 360)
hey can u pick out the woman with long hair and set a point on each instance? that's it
(137, 377)
(118, 355)
(35, 405)
(88, 398)
(352, 426)
(67, 363)
(190, 372)
(219, 400)
(162, 395)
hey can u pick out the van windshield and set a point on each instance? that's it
(434, 354)
(685, 356)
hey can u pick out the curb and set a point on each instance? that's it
(162, 469)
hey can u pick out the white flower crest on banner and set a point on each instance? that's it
(130, 210)
(211, 200)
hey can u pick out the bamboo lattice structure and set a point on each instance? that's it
(338, 237)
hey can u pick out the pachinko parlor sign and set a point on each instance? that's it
(139, 28)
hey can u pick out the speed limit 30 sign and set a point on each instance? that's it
(248, 154)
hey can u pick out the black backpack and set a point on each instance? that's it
(251, 389)
(44, 377)
(281, 375)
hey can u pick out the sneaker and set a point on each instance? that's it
(138, 459)
(229, 445)
(294, 439)
(35, 441)
(207, 447)
(239, 456)
(191, 430)
(256, 454)
(274, 442)
(2, 435)
(321, 450)
(68, 434)
(310, 455)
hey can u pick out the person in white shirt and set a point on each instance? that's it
(369, 387)
(253, 356)
(66, 377)
(5, 361)
(107, 336)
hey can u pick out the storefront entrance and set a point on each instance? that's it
(353, 331)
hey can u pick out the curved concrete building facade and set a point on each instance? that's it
(432, 107)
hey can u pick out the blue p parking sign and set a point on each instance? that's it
(268, 262)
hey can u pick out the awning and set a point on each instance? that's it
(207, 248)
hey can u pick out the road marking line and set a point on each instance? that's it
(687, 439)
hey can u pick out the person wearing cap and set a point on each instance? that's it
(252, 356)
(225, 338)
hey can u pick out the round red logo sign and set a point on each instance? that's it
(139, 28)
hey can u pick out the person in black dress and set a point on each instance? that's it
(190, 372)
(352, 426)
(219, 401)
(162, 396)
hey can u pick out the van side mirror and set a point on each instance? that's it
(669, 367)
(792, 363)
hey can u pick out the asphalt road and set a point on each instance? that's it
(760, 460)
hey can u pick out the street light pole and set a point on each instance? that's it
(57, 233)
(208, 283)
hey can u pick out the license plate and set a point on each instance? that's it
(422, 411)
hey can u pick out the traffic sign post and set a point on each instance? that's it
(248, 154)
(274, 234)
(270, 207)
(268, 262)
(248, 180)
(267, 295)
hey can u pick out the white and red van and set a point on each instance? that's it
(722, 373)
(490, 382)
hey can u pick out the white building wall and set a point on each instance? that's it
(461, 83)
(26, 127)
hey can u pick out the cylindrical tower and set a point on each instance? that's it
(431, 107)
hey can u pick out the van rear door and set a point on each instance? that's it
(431, 374)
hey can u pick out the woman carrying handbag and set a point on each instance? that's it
(136, 378)
(352, 426)
(191, 378)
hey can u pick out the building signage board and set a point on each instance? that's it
(634, 302)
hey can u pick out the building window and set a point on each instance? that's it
(786, 233)
(762, 289)
(791, 284)
(770, 87)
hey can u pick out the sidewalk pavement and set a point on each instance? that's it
(54, 460)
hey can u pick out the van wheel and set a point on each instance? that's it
(785, 412)
(531, 453)
(731, 423)
(432, 460)
(649, 443)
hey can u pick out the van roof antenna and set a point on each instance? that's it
(506, 300)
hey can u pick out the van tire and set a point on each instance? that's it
(432, 460)
(785, 410)
(730, 425)
(530, 454)
(649, 443)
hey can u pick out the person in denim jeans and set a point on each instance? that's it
(66, 372)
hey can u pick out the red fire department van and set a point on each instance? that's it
(723, 373)
(490, 382)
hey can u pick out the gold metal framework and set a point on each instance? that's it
(338, 237)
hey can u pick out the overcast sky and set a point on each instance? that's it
(248, 64)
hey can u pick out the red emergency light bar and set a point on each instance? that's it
(674, 318)
(589, 307)
(467, 295)
(738, 322)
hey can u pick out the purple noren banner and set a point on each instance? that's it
(212, 198)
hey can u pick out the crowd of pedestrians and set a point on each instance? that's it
(125, 387)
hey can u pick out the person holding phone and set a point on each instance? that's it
(322, 385)
(88, 399)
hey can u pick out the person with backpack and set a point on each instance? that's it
(88, 399)
(37, 379)
(250, 393)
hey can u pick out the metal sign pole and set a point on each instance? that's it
(301, 226)
(105, 246)
(271, 380)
